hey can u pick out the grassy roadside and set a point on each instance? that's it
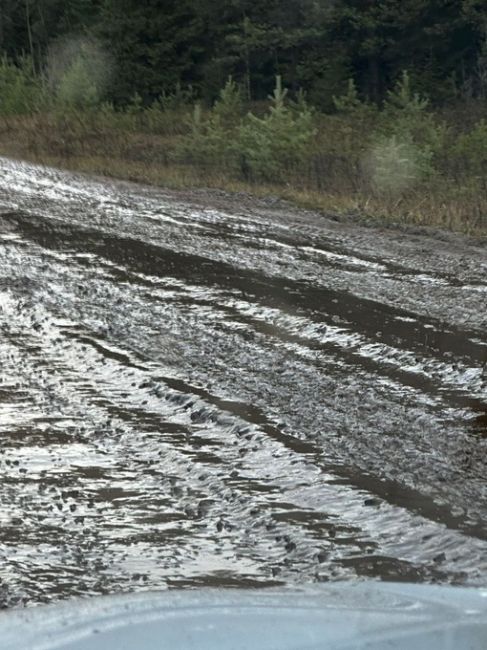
(400, 162)
(136, 152)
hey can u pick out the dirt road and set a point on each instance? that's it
(197, 389)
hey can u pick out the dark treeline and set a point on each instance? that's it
(314, 45)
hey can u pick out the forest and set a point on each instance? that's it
(360, 106)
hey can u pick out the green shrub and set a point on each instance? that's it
(407, 117)
(179, 99)
(253, 147)
(170, 113)
(395, 166)
(469, 151)
(212, 138)
(409, 142)
(76, 88)
(228, 109)
(20, 91)
(272, 145)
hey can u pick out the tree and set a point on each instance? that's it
(434, 39)
(315, 45)
(156, 44)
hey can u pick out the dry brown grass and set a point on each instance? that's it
(142, 157)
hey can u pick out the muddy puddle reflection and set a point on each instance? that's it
(191, 396)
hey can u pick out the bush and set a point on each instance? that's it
(409, 143)
(77, 88)
(264, 148)
(406, 116)
(20, 91)
(169, 113)
(212, 140)
(469, 152)
(395, 166)
(277, 143)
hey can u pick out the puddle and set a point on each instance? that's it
(192, 397)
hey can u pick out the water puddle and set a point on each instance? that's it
(193, 397)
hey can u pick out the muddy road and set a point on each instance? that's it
(197, 390)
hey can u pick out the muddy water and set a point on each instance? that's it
(199, 391)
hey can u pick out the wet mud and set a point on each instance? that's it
(205, 392)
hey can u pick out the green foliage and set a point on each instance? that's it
(166, 115)
(402, 97)
(408, 139)
(274, 144)
(179, 99)
(135, 105)
(469, 151)
(315, 45)
(254, 147)
(405, 112)
(20, 91)
(356, 118)
(406, 115)
(229, 107)
(76, 88)
(212, 138)
(349, 102)
(396, 166)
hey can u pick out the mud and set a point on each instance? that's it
(197, 389)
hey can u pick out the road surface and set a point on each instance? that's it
(197, 389)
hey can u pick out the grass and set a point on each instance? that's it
(135, 155)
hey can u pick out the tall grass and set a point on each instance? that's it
(403, 162)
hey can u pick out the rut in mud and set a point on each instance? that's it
(239, 395)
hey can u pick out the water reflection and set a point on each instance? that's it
(211, 399)
(479, 424)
